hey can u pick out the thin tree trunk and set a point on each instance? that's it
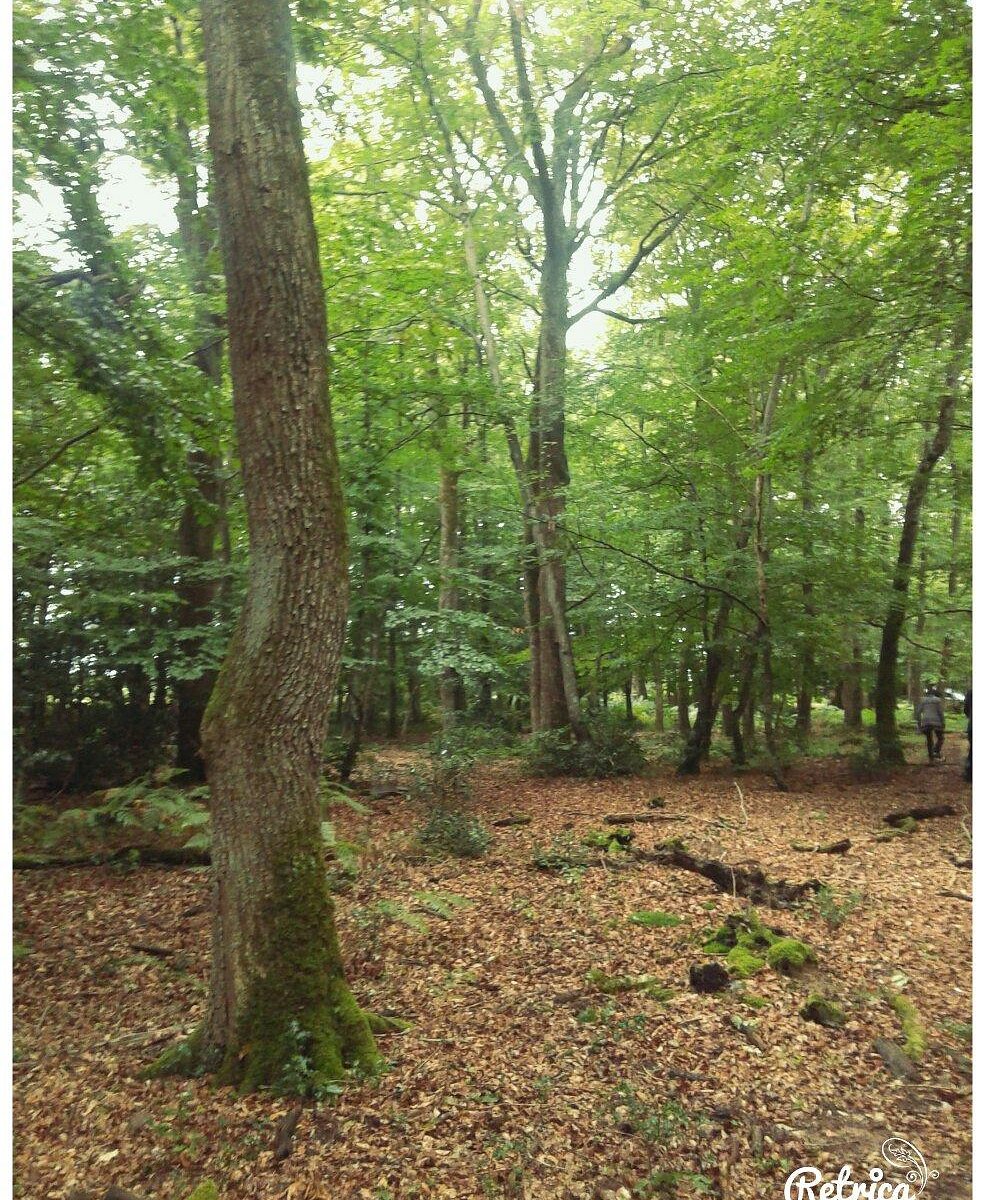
(683, 691)
(947, 648)
(658, 698)
(805, 688)
(392, 693)
(277, 988)
(915, 661)
(887, 734)
(448, 594)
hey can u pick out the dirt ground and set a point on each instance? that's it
(518, 1078)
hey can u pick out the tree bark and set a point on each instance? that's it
(448, 595)
(887, 734)
(805, 688)
(947, 648)
(277, 986)
(658, 697)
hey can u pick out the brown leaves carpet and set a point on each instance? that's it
(517, 1078)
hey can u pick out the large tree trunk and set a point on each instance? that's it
(887, 734)
(277, 986)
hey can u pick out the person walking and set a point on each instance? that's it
(930, 721)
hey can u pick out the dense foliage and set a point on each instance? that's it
(761, 214)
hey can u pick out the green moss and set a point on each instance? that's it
(300, 1026)
(654, 919)
(744, 930)
(381, 1024)
(914, 1038)
(611, 985)
(751, 1001)
(183, 1058)
(21, 951)
(743, 963)
(206, 1190)
(610, 840)
(788, 955)
(906, 825)
(823, 1011)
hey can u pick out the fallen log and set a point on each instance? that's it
(180, 856)
(963, 864)
(839, 847)
(153, 951)
(647, 818)
(751, 883)
(512, 819)
(957, 895)
(920, 813)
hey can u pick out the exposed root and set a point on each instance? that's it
(751, 883)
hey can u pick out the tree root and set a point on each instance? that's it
(920, 813)
(646, 818)
(748, 882)
(839, 847)
(180, 856)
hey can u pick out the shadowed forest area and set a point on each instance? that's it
(492, 598)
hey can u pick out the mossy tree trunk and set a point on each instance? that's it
(887, 734)
(277, 986)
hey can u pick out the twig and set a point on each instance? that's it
(742, 804)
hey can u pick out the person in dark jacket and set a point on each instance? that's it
(930, 721)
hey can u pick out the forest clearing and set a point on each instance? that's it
(492, 577)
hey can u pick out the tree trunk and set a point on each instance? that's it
(277, 986)
(448, 595)
(392, 695)
(627, 691)
(683, 692)
(203, 510)
(887, 734)
(658, 698)
(805, 688)
(947, 648)
(914, 685)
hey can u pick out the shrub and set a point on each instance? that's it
(563, 855)
(836, 909)
(452, 831)
(611, 748)
(863, 763)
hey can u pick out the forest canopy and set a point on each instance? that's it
(643, 323)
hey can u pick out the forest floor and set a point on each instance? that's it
(517, 1077)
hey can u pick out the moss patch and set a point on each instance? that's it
(654, 919)
(743, 963)
(788, 955)
(823, 1011)
(611, 985)
(914, 1038)
(206, 1190)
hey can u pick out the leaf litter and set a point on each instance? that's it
(518, 1078)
